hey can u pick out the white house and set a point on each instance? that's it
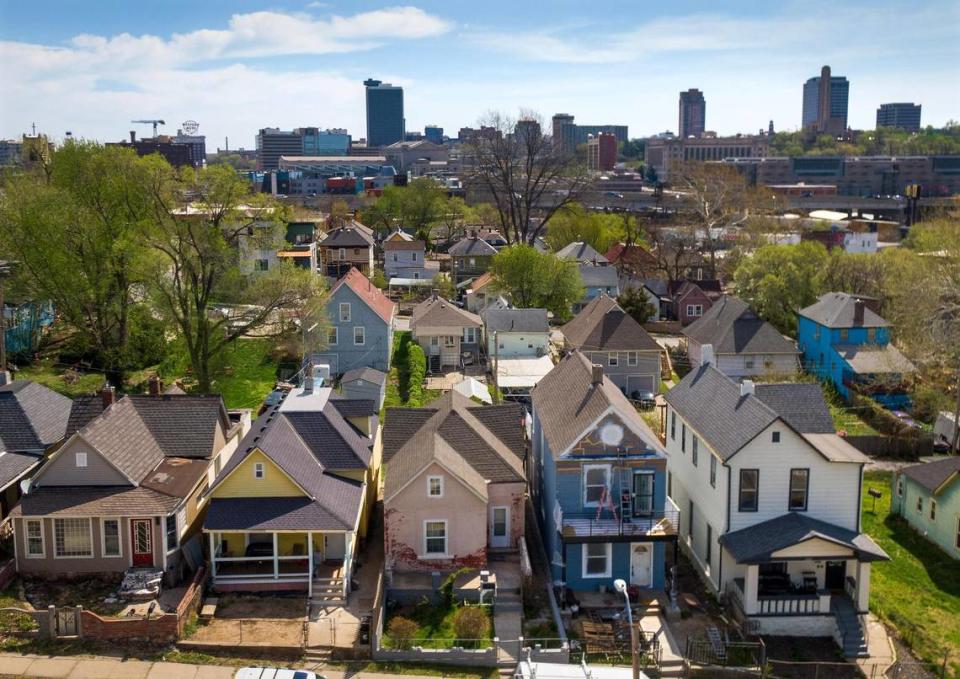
(770, 497)
(513, 333)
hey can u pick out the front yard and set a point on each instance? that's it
(918, 590)
(435, 627)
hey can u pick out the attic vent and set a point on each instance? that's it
(256, 438)
(263, 429)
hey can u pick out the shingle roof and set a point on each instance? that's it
(95, 501)
(932, 475)
(369, 293)
(84, 409)
(32, 416)
(481, 281)
(603, 325)
(121, 436)
(176, 476)
(598, 276)
(758, 542)
(836, 310)
(581, 252)
(365, 374)
(515, 320)
(635, 256)
(801, 405)
(15, 465)
(732, 327)
(182, 425)
(411, 245)
(872, 359)
(472, 246)
(354, 407)
(347, 237)
(568, 404)
(438, 312)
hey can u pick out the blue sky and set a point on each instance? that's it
(92, 67)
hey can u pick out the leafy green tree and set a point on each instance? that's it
(444, 286)
(533, 279)
(637, 304)
(598, 229)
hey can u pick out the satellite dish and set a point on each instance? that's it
(25, 486)
(611, 434)
(190, 126)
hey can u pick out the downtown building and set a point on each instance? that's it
(601, 152)
(567, 135)
(665, 153)
(273, 142)
(825, 102)
(693, 114)
(903, 116)
(385, 121)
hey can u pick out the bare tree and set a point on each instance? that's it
(515, 167)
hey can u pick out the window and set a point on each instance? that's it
(359, 335)
(844, 334)
(694, 310)
(673, 425)
(749, 480)
(748, 363)
(920, 505)
(816, 333)
(632, 358)
(435, 486)
(345, 312)
(694, 450)
(683, 437)
(669, 484)
(394, 256)
(261, 264)
(933, 510)
(713, 471)
(613, 358)
(435, 537)
(449, 341)
(342, 254)
(871, 335)
(258, 470)
(72, 538)
(799, 484)
(111, 537)
(413, 256)
(473, 262)
(690, 523)
(35, 547)
(899, 486)
(775, 437)
(81, 459)
(709, 553)
(435, 341)
(596, 559)
(596, 479)
(171, 531)
(470, 335)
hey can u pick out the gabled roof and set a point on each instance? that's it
(634, 256)
(874, 359)
(581, 252)
(84, 409)
(32, 417)
(757, 543)
(481, 281)
(347, 237)
(933, 475)
(182, 425)
(369, 293)
(437, 312)
(603, 325)
(472, 246)
(515, 320)
(568, 404)
(837, 310)
(732, 327)
(598, 276)
(366, 374)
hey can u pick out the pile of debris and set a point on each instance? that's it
(140, 584)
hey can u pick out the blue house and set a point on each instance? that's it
(361, 326)
(845, 342)
(598, 480)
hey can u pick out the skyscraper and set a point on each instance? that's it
(693, 114)
(905, 116)
(385, 122)
(563, 133)
(825, 100)
(433, 133)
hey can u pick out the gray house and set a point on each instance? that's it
(407, 259)
(518, 332)
(470, 257)
(364, 383)
(448, 335)
(582, 253)
(609, 336)
(360, 333)
(597, 281)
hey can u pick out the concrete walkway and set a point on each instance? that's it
(880, 648)
(508, 609)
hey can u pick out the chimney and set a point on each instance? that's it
(308, 385)
(858, 306)
(596, 375)
(706, 355)
(155, 385)
(747, 388)
(133, 136)
(109, 396)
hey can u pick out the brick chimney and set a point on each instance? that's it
(155, 385)
(109, 395)
(858, 307)
(596, 375)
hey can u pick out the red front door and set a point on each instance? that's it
(141, 539)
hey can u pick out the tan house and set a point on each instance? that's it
(125, 490)
(448, 335)
(455, 485)
(347, 246)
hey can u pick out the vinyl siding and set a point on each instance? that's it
(645, 376)
(345, 355)
(735, 365)
(241, 482)
(620, 568)
(943, 529)
(519, 344)
(61, 470)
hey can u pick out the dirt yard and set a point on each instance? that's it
(251, 621)
(235, 606)
(97, 594)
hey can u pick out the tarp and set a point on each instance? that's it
(410, 282)
(522, 372)
(470, 386)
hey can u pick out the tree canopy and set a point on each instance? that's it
(534, 279)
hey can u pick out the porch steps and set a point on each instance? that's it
(327, 592)
(854, 641)
(672, 668)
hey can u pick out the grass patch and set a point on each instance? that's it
(918, 590)
(436, 626)
(14, 622)
(400, 392)
(61, 379)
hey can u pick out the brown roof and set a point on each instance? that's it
(371, 295)
(95, 501)
(481, 282)
(603, 325)
(398, 244)
(176, 476)
(634, 256)
(438, 312)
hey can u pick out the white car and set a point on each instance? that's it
(273, 673)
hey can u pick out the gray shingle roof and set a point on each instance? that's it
(32, 416)
(568, 404)
(472, 247)
(756, 543)
(836, 310)
(438, 312)
(84, 409)
(603, 325)
(354, 407)
(347, 237)
(515, 320)
(932, 475)
(599, 276)
(732, 327)
(15, 465)
(182, 425)
(581, 252)
(801, 405)
(123, 439)
(365, 374)
(874, 359)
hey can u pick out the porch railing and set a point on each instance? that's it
(587, 525)
(780, 604)
(263, 567)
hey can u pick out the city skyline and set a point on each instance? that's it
(292, 64)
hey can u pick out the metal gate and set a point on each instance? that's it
(66, 622)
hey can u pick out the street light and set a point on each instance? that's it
(621, 586)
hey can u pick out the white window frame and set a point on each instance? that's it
(608, 555)
(613, 359)
(259, 471)
(172, 545)
(587, 468)
(334, 332)
(449, 341)
(430, 480)
(344, 319)
(342, 254)
(103, 538)
(363, 335)
(633, 358)
(80, 460)
(446, 540)
(469, 336)
(72, 556)
(26, 539)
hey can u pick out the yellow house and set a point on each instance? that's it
(288, 511)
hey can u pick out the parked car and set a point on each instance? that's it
(905, 419)
(646, 399)
(274, 673)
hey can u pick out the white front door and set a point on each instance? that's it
(334, 546)
(499, 526)
(641, 565)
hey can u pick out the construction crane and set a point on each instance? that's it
(151, 122)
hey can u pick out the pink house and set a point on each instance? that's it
(454, 484)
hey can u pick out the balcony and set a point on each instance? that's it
(653, 526)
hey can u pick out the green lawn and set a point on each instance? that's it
(436, 625)
(918, 590)
(62, 380)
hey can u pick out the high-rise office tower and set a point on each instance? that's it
(825, 100)
(693, 114)
(563, 133)
(385, 122)
(528, 129)
(905, 116)
(433, 133)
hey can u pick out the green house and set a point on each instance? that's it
(927, 495)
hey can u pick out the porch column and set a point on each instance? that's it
(213, 554)
(863, 586)
(276, 561)
(750, 584)
(310, 564)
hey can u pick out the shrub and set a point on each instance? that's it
(446, 589)
(471, 623)
(416, 373)
(402, 632)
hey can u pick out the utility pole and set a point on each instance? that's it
(955, 439)
(496, 367)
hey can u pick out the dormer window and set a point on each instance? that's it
(81, 460)
(258, 470)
